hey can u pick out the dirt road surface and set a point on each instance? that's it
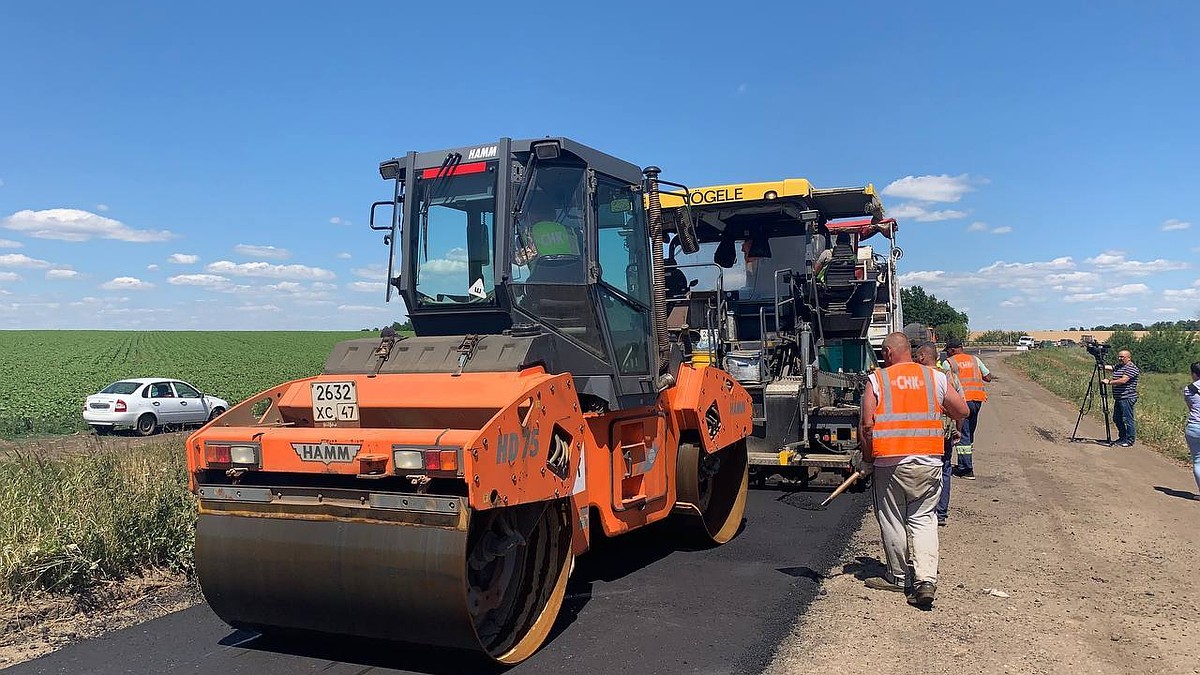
(1096, 548)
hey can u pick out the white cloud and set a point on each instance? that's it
(184, 258)
(1166, 310)
(152, 267)
(1129, 289)
(258, 308)
(1124, 290)
(943, 188)
(922, 214)
(343, 256)
(126, 284)
(366, 286)
(1003, 229)
(269, 271)
(77, 225)
(286, 287)
(22, 260)
(977, 226)
(9, 243)
(362, 308)
(444, 266)
(102, 207)
(1182, 294)
(1192, 293)
(1173, 224)
(9, 276)
(918, 278)
(1015, 301)
(272, 252)
(374, 272)
(338, 220)
(209, 281)
(61, 274)
(1114, 262)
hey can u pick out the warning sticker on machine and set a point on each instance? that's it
(580, 477)
(477, 289)
(335, 402)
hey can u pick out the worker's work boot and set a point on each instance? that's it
(922, 595)
(881, 584)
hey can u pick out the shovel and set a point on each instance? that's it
(843, 487)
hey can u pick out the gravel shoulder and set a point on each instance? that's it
(46, 622)
(1093, 550)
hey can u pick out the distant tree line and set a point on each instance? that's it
(1162, 350)
(926, 308)
(1186, 324)
(406, 326)
(1005, 337)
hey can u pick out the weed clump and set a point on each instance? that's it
(74, 520)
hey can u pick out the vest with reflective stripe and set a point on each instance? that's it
(968, 374)
(908, 416)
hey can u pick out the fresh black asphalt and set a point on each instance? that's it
(636, 605)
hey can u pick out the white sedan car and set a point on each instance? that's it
(147, 403)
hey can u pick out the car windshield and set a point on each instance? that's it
(455, 218)
(121, 388)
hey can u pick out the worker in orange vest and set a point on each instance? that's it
(901, 432)
(972, 374)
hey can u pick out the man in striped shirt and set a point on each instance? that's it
(1124, 381)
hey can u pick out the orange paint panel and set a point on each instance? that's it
(698, 389)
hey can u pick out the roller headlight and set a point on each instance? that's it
(407, 459)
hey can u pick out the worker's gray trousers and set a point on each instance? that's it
(905, 498)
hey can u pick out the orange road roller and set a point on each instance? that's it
(434, 489)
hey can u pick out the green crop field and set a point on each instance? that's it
(45, 375)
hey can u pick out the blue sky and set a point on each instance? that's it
(210, 165)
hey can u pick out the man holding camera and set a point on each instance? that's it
(1123, 381)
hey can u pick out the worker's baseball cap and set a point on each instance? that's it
(953, 344)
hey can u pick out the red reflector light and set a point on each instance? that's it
(120, 406)
(449, 460)
(460, 170)
(217, 454)
(433, 460)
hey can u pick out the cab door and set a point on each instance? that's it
(192, 408)
(623, 261)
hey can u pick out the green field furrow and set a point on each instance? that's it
(45, 375)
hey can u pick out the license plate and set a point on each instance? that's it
(99, 406)
(335, 402)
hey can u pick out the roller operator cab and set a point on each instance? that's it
(434, 489)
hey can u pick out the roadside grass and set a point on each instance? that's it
(73, 521)
(1160, 411)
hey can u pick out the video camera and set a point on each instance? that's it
(1098, 350)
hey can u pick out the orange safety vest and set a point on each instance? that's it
(967, 369)
(908, 416)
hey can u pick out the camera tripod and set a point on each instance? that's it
(1095, 382)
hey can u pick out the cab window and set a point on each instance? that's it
(623, 239)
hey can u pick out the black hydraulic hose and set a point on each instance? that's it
(658, 270)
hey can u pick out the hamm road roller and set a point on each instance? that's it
(435, 489)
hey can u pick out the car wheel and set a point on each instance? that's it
(147, 424)
(216, 412)
(102, 429)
